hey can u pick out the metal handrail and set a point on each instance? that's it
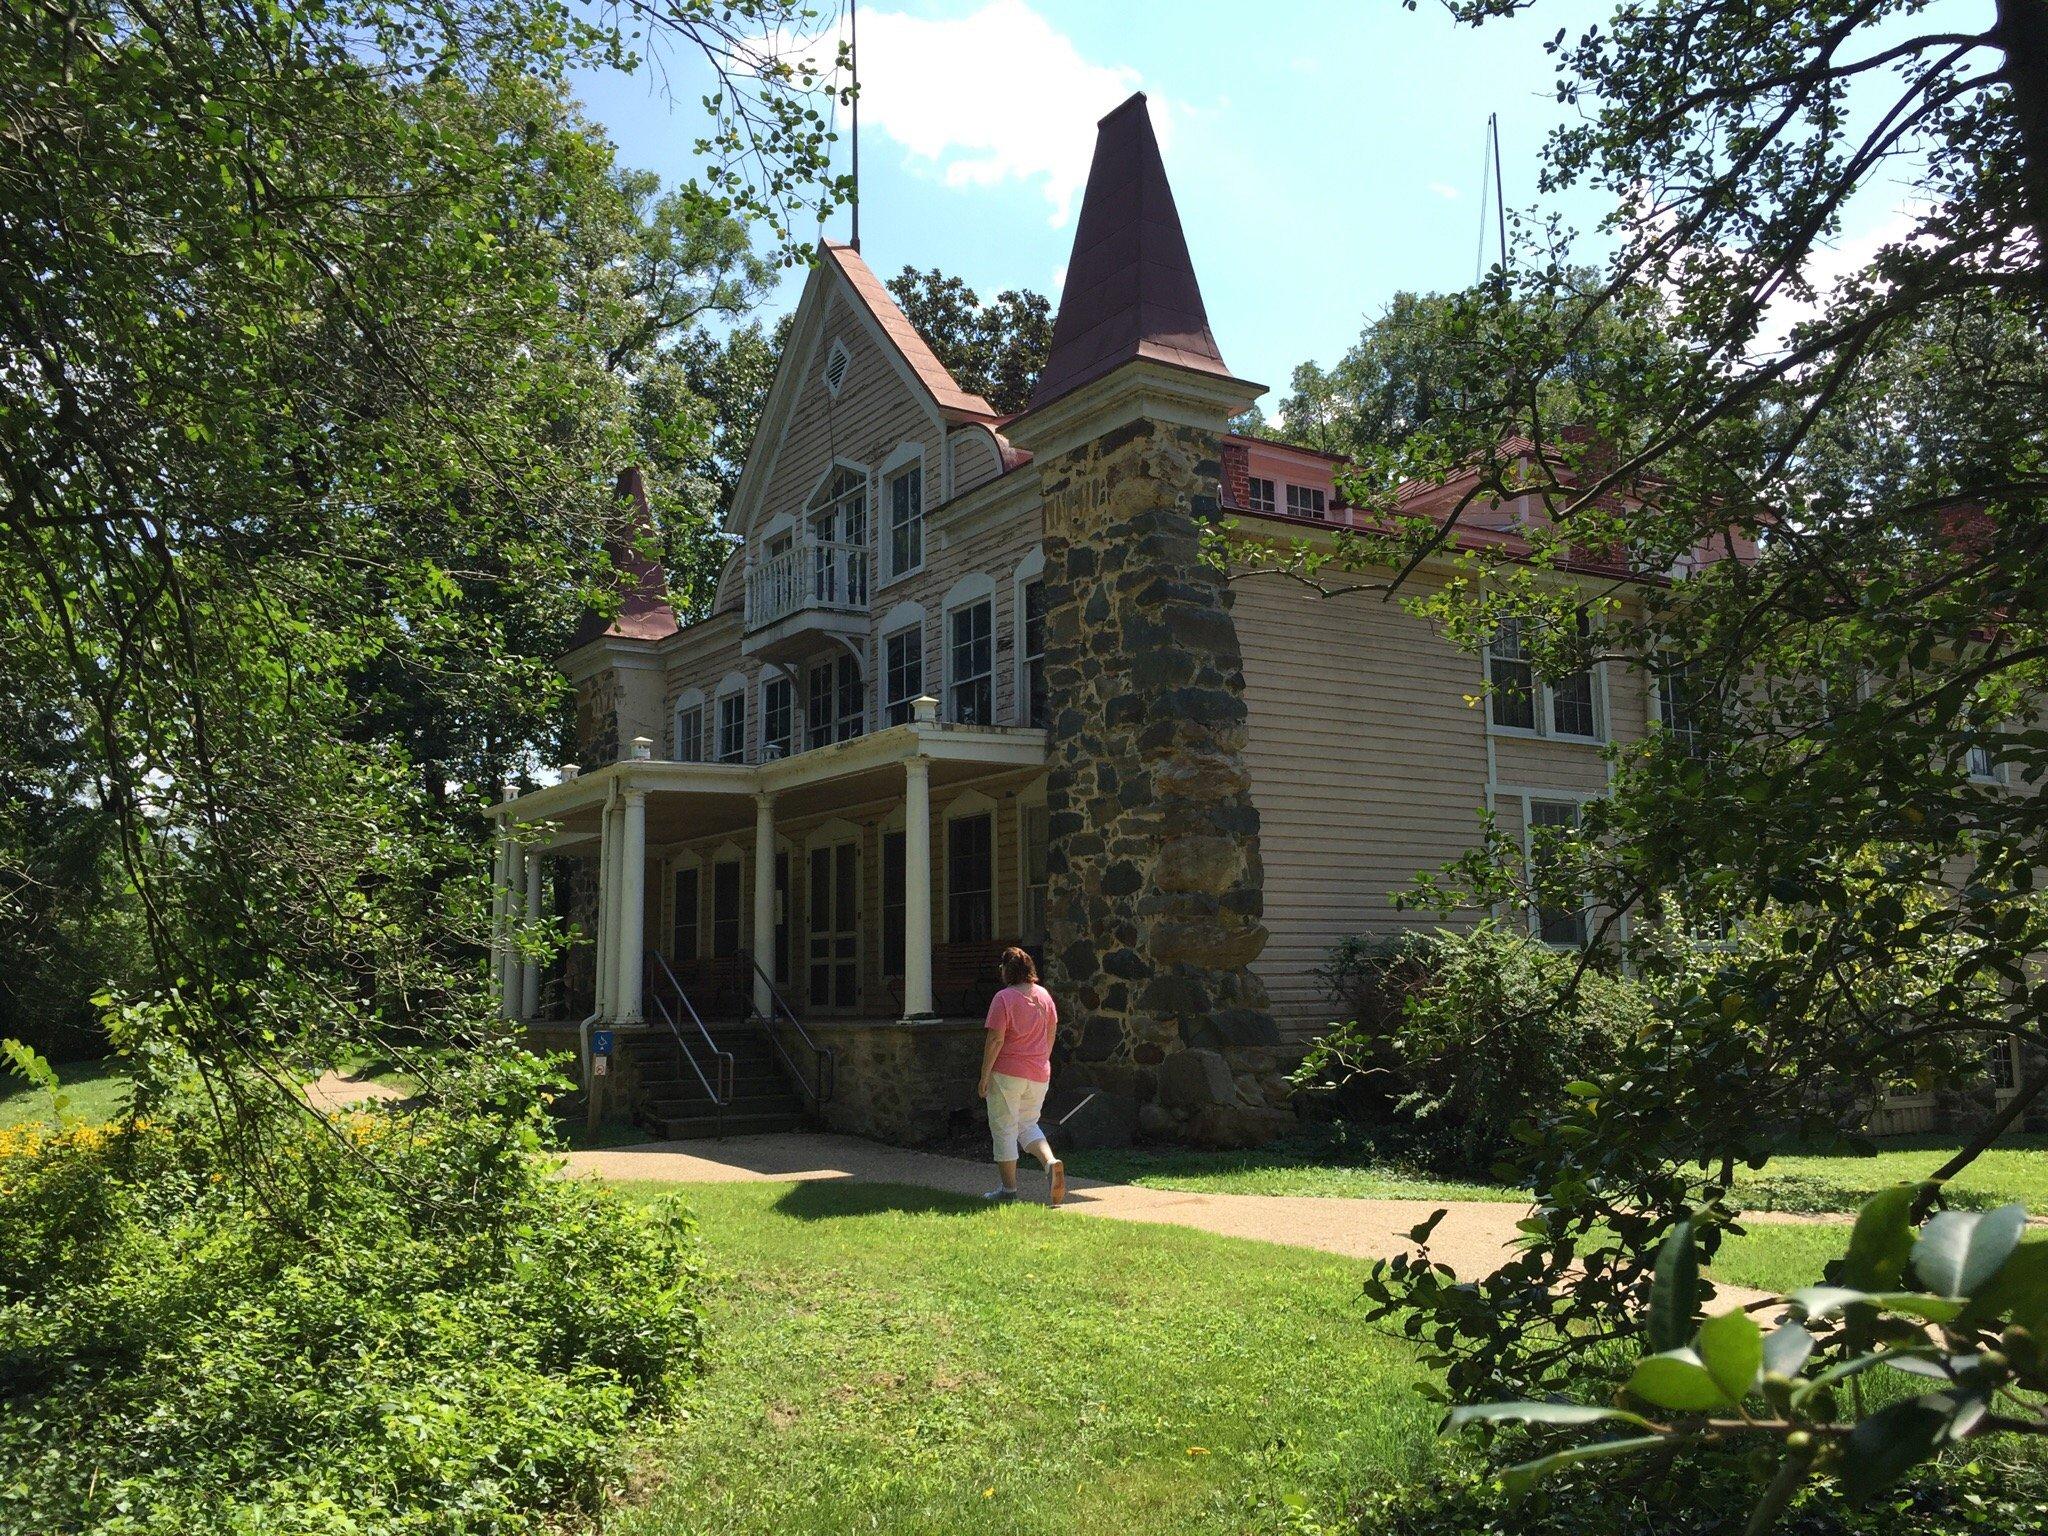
(722, 1095)
(825, 1060)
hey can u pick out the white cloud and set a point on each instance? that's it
(1444, 190)
(995, 96)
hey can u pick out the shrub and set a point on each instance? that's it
(405, 1323)
(1465, 1032)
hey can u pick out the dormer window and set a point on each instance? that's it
(837, 362)
(1305, 501)
(1258, 494)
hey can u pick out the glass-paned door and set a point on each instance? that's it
(725, 909)
(832, 934)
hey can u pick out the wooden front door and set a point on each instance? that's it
(832, 934)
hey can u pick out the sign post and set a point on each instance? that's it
(601, 1042)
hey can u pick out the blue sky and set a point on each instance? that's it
(1325, 154)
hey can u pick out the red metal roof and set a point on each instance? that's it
(915, 350)
(1130, 291)
(644, 613)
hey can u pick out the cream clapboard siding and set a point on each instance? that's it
(975, 461)
(1369, 765)
(873, 413)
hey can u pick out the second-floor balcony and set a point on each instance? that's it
(804, 590)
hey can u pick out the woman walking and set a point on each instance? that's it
(1016, 1064)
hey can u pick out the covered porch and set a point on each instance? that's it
(862, 888)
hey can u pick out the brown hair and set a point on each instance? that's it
(1018, 970)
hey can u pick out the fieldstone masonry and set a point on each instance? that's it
(1153, 899)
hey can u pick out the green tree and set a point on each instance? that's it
(994, 350)
(320, 324)
(1841, 693)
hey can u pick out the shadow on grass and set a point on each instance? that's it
(826, 1199)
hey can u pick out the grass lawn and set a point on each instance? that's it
(885, 1359)
(95, 1089)
(2017, 1170)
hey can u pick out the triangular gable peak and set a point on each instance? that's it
(846, 322)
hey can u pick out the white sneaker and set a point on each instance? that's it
(1000, 1196)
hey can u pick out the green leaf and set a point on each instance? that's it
(1881, 1244)
(1674, 1291)
(1959, 1250)
(1678, 1380)
(1786, 1349)
(1519, 1479)
(1892, 1441)
(1731, 1347)
(1539, 1413)
(1819, 1301)
(2018, 1292)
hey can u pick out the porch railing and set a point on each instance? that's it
(821, 1081)
(806, 577)
(721, 1095)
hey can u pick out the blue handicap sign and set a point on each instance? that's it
(600, 1042)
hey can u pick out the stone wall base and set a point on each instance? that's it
(1239, 1097)
(907, 1083)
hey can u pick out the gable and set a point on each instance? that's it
(874, 409)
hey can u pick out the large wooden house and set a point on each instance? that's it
(968, 682)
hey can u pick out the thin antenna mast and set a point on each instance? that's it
(1500, 204)
(853, 58)
(1479, 254)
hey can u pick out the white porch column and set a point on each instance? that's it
(501, 918)
(917, 887)
(601, 966)
(632, 918)
(529, 970)
(764, 904)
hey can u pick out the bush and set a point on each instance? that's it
(1457, 1036)
(402, 1323)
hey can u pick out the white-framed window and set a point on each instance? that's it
(904, 503)
(2001, 1061)
(971, 663)
(1566, 707)
(689, 727)
(1033, 841)
(838, 514)
(1982, 766)
(834, 707)
(1563, 925)
(1305, 501)
(1031, 653)
(902, 672)
(1258, 495)
(970, 854)
(732, 728)
(838, 363)
(1510, 678)
(778, 716)
(1678, 687)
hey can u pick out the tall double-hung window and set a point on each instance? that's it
(690, 734)
(833, 709)
(1519, 699)
(1031, 645)
(839, 534)
(1559, 919)
(971, 663)
(778, 704)
(906, 520)
(732, 728)
(902, 672)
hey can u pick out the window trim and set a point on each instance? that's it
(1030, 570)
(732, 686)
(911, 624)
(770, 677)
(903, 458)
(1269, 504)
(1578, 799)
(688, 700)
(1297, 491)
(969, 591)
(1543, 703)
(964, 807)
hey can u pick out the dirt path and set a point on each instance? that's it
(331, 1091)
(1472, 1238)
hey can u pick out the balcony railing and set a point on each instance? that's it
(809, 576)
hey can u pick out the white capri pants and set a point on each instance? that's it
(1013, 1106)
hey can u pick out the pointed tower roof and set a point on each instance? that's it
(644, 612)
(1130, 291)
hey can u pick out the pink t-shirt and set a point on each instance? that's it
(1024, 1016)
